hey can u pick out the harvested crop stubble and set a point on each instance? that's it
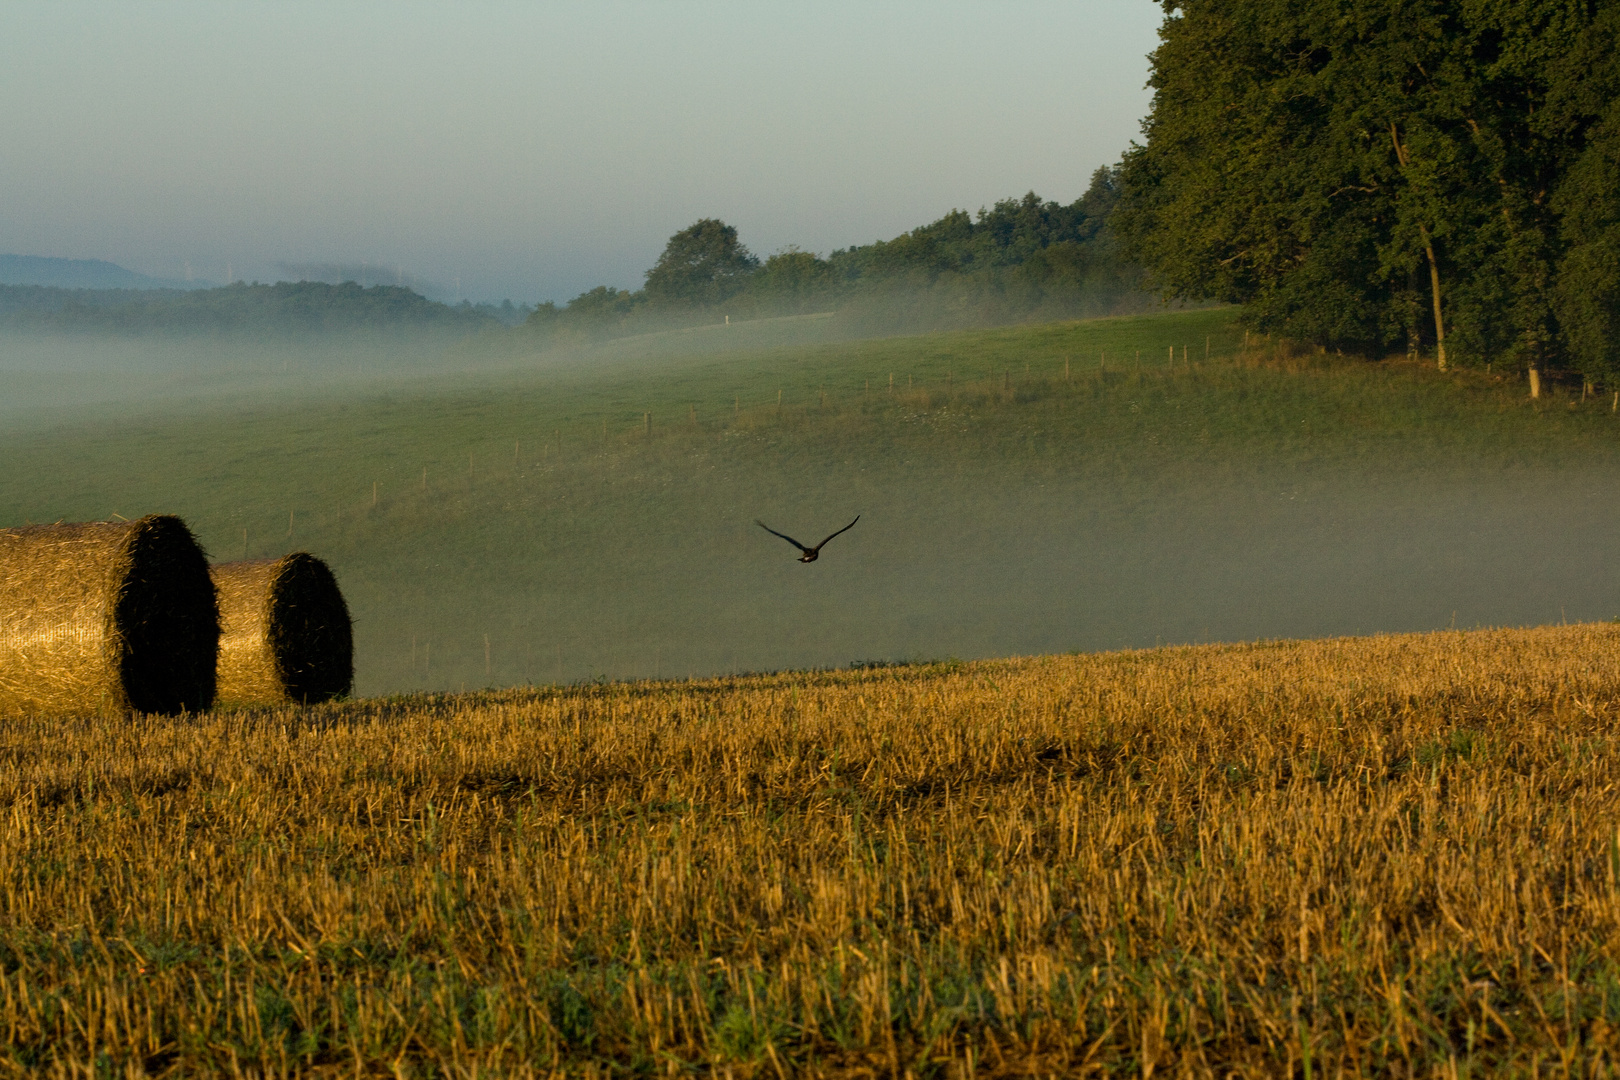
(287, 637)
(106, 617)
(1391, 856)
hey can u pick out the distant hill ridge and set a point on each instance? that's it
(80, 274)
(285, 306)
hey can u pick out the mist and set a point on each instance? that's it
(500, 514)
(48, 380)
(982, 568)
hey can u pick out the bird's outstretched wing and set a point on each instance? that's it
(846, 528)
(788, 538)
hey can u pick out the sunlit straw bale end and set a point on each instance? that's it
(106, 617)
(287, 636)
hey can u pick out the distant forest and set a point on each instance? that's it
(1021, 260)
(1438, 178)
(303, 306)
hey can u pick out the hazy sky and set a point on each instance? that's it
(535, 150)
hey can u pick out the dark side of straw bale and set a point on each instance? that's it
(287, 636)
(106, 617)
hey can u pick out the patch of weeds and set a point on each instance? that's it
(162, 955)
(744, 1036)
(570, 1014)
(278, 1020)
(1461, 745)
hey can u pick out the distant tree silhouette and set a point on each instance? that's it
(702, 264)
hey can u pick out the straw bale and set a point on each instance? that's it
(286, 632)
(106, 617)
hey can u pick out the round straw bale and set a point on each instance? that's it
(106, 617)
(287, 636)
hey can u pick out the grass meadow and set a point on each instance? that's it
(1393, 855)
(510, 518)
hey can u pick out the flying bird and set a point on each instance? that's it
(810, 553)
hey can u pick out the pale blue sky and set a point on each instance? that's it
(535, 150)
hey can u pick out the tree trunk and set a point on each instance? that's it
(1405, 160)
(1434, 288)
(1535, 383)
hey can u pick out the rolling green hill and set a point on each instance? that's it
(545, 518)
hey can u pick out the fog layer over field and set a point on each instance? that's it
(980, 567)
(499, 517)
(49, 379)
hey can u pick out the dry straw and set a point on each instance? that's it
(105, 617)
(1388, 857)
(287, 636)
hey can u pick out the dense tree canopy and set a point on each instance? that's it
(295, 306)
(1022, 258)
(1012, 233)
(1392, 173)
(704, 263)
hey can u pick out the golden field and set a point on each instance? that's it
(1392, 855)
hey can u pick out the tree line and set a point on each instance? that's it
(1022, 258)
(1438, 177)
(296, 306)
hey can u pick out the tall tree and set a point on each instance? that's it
(1359, 173)
(702, 264)
(1586, 294)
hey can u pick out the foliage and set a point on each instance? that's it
(301, 306)
(1021, 260)
(506, 312)
(594, 312)
(1379, 856)
(702, 264)
(1344, 169)
(1587, 202)
(1011, 233)
(16, 298)
(795, 282)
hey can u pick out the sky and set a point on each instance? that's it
(532, 151)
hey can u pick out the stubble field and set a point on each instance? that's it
(1384, 855)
